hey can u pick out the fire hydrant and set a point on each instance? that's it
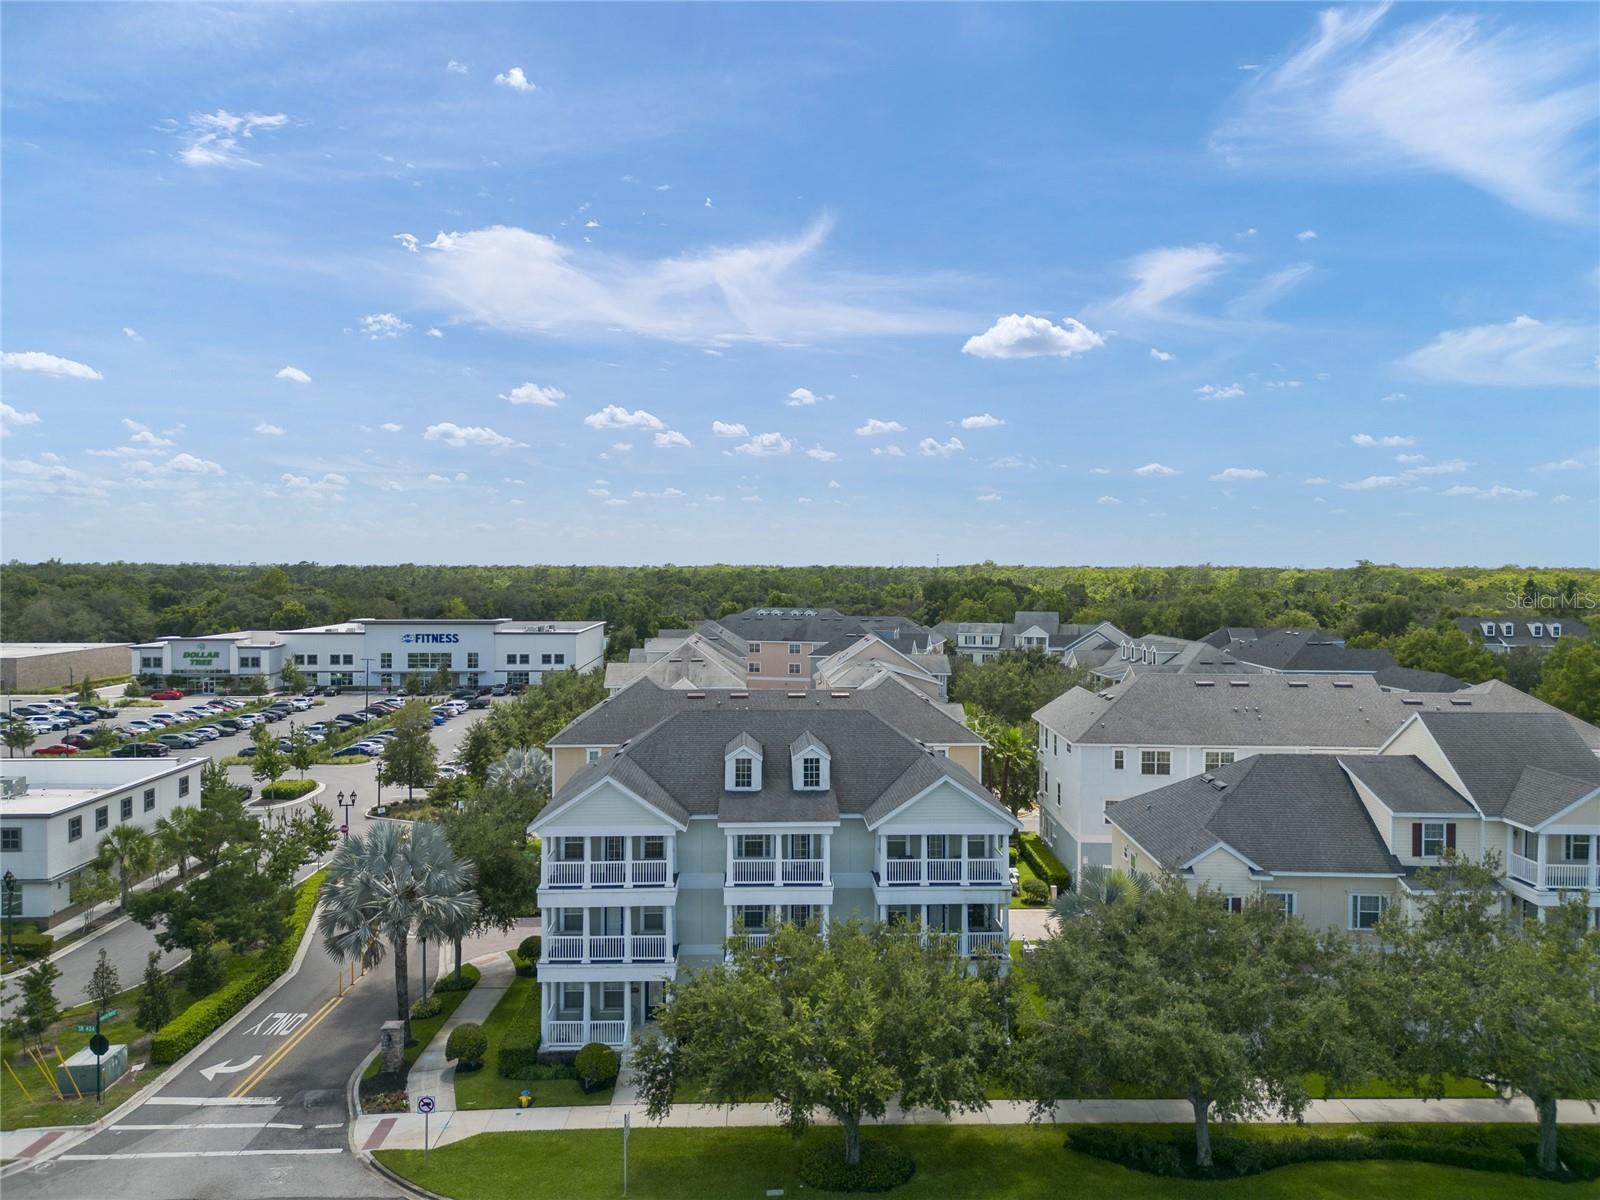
(525, 1099)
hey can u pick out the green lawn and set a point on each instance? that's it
(18, 1111)
(1019, 1162)
(489, 1089)
(1024, 873)
(422, 1031)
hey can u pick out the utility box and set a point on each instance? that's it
(79, 1069)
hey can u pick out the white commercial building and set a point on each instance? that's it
(380, 654)
(54, 812)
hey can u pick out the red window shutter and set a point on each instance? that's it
(1450, 835)
(1416, 839)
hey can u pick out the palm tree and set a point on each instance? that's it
(131, 852)
(525, 767)
(1100, 887)
(176, 837)
(386, 885)
(1011, 756)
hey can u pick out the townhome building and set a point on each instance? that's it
(1095, 747)
(1505, 634)
(1339, 839)
(1303, 651)
(983, 640)
(726, 817)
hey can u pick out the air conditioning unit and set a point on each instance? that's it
(14, 785)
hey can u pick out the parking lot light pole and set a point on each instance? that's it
(347, 805)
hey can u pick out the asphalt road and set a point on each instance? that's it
(261, 1113)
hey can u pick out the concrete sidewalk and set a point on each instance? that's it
(404, 1131)
(431, 1075)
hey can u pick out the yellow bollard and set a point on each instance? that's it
(68, 1074)
(18, 1078)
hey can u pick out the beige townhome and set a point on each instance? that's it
(1338, 839)
(681, 820)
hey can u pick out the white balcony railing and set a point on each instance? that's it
(570, 1035)
(612, 1033)
(758, 938)
(649, 871)
(638, 947)
(648, 947)
(607, 874)
(993, 942)
(607, 948)
(563, 948)
(1556, 876)
(565, 1034)
(804, 870)
(943, 871)
(754, 870)
(645, 872)
(564, 874)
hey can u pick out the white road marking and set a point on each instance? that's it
(213, 1101)
(277, 1024)
(228, 1067)
(195, 1154)
(217, 1125)
(330, 1125)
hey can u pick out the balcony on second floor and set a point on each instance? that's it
(608, 935)
(942, 860)
(778, 860)
(610, 861)
(1557, 862)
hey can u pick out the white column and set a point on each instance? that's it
(882, 853)
(827, 858)
(587, 988)
(728, 841)
(585, 932)
(627, 933)
(668, 925)
(672, 857)
(627, 860)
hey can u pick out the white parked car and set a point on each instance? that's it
(209, 733)
(300, 703)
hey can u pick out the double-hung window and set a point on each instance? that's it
(11, 837)
(1366, 908)
(1218, 758)
(1118, 757)
(74, 829)
(811, 772)
(1577, 847)
(743, 773)
(1155, 762)
(794, 668)
(1284, 900)
(126, 807)
(102, 817)
(1433, 839)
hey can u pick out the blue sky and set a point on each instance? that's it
(1045, 284)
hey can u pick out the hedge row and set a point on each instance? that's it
(31, 944)
(1038, 855)
(202, 1018)
(1237, 1157)
(287, 789)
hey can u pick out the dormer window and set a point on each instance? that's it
(741, 765)
(809, 761)
(1507, 629)
(1536, 629)
(811, 771)
(743, 772)
(1555, 629)
(1488, 629)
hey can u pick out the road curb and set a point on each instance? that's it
(353, 1112)
(83, 1132)
(305, 799)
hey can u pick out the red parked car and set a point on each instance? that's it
(167, 694)
(54, 750)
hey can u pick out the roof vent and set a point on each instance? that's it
(1461, 703)
(1218, 784)
(796, 695)
(1238, 683)
(1207, 778)
(1205, 683)
(695, 695)
(1412, 700)
(1343, 683)
(738, 695)
(840, 695)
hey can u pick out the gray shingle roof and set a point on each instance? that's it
(1405, 784)
(1410, 679)
(1524, 766)
(642, 705)
(1522, 630)
(679, 762)
(1283, 812)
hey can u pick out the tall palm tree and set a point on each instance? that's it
(524, 767)
(1100, 887)
(131, 852)
(386, 885)
(177, 835)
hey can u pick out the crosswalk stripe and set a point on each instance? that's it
(195, 1154)
(212, 1101)
(213, 1125)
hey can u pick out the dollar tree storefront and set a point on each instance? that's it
(219, 662)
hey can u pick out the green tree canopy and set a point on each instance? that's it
(1571, 679)
(1013, 685)
(411, 758)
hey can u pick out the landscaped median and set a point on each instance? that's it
(201, 1019)
(955, 1162)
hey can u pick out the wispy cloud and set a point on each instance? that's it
(48, 364)
(533, 393)
(1156, 469)
(212, 139)
(12, 419)
(1219, 391)
(874, 427)
(1237, 474)
(1499, 108)
(1390, 440)
(379, 326)
(458, 436)
(764, 445)
(1166, 274)
(1521, 353)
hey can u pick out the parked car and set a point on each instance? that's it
(81, 741)
(33, 710)
(464, 693)
(330, 691)
(164, 719)
(101, 711)
(209, 733)
(142, 750)
(351, 752)
(498, 689)
(179, 741)
(300, 704)
(438, 718)
(479, 702)
(52, 751)
(143, 726)
(248, 752)
(249, 720)
(167, 694)
(447, 771)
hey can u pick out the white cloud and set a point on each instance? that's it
(599, 493)
(12, 419)
(1373, 483)
(1161, 355)
(212, 139)
(670, 493)
(1237, 474)
(729, 429)
(48, 364)
(1521, 353)
(1306, 235)
(614, 416)
(933, 448)
(988, 497)
(268, 430)
(669, 439)
(1213, 391)
(188, 464)
(391, 427)
(624, 447)
(330, 485)
(888, 452)
(1168, 272)
(751, 499)
(1366, 439)
(874, 427)
(765, 445)
(1453, 467)
(48, 479)
(460, 68)
(434, 333)
(133, 335)
(514, 280)
(1108, 501)
(801, 398)
(1499, 108)
(1009, 462)
(1018, 336)
(408, 240)
(383, 325)
(821, 455)
(982, 421)
(1496, 492)
(1283, 383)
(1392, 398)
(1564, 464)
(458, 436)
(533, 393)
(293, 375)
(1410, 459)
(1563, 498)
(1316, 481)
(1156, 469)
(516, 80)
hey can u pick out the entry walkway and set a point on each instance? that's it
(431, 1075)
(404, 1132)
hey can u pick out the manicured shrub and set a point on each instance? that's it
(597, 1065)
(882, 1167)
(1136, 1151)
(428, 1006)
(1038, 855)
(197, 1022)
(466, 1046)
(448, 982)
(31, 944)
(1034, 891)
(288, 789)
(529, 948)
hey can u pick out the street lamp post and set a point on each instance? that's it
(9, 883)
(347, 803)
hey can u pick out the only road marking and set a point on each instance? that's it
(283, 1051)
